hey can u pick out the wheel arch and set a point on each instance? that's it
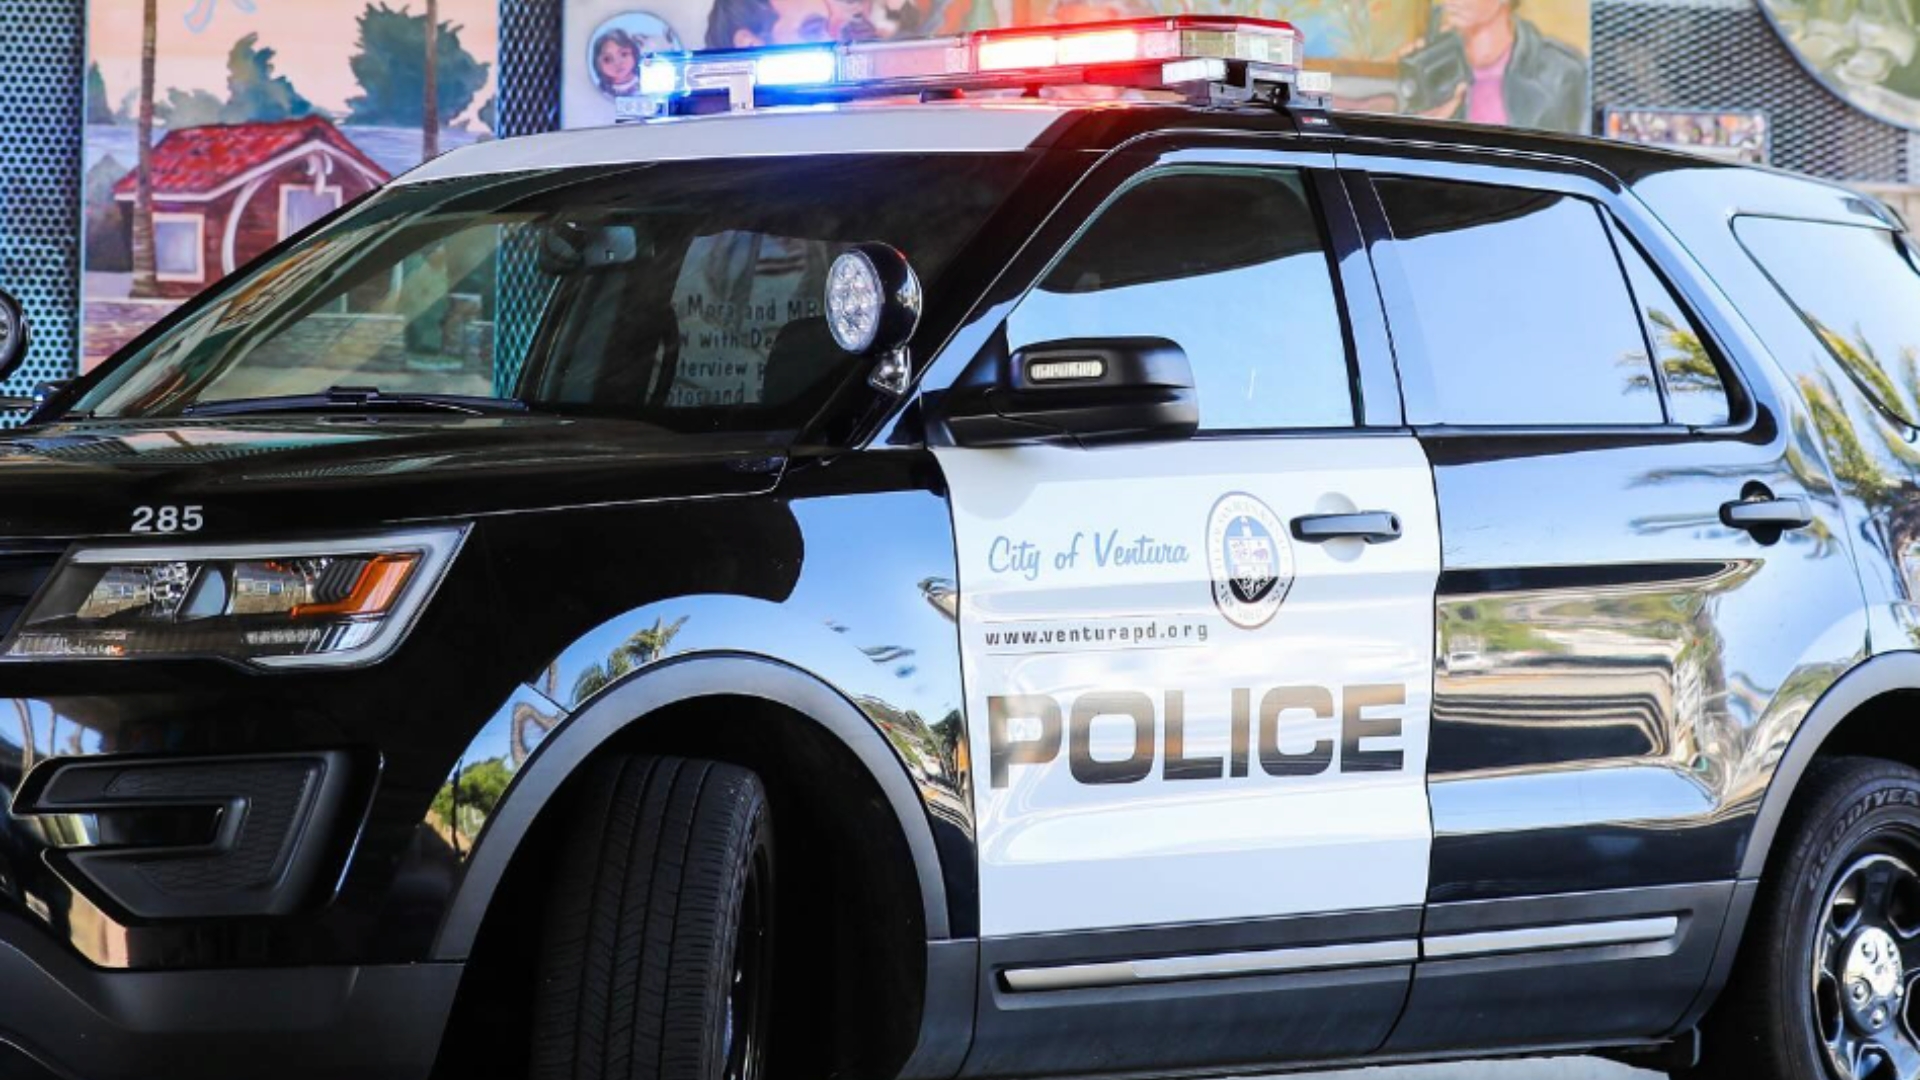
(672, 682)
(682, 695)
(1847, 708)
(1851, 697)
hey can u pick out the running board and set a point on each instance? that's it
(1415, 983)
(1210, 966)
(1328, 957)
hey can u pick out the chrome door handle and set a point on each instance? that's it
(1752, 514)
(1373, 526)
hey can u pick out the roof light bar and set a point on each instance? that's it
(885, 63)
(1160, 52)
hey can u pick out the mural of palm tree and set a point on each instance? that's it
(146, 281)
(430, 131)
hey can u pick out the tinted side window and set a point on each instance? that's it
(1230, 265)
(1857, 287)
(1696, 389)
(1523, 312)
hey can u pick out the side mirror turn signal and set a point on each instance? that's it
(1081, 391)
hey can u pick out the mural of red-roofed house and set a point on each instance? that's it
(224, 193)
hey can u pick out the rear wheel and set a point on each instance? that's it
(1830, 964)
(658, 941)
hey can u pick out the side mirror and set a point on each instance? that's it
(873, 307)
(1085, 391)
(13, 335)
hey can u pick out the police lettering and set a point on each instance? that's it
(1027, 729)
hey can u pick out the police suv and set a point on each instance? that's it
(1014, 583)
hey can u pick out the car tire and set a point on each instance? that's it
(1831, 956)
(658, 940)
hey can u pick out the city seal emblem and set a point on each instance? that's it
(1250, 560)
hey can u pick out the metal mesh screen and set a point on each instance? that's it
(529, 104)
(1726, 56)
(42, 94)
(529, 66)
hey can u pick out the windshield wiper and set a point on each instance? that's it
(351, 399)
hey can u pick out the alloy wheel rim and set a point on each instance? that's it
(1865, 967)
(744, 1041)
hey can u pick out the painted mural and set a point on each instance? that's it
(253, 118)
(259, 117)
(1519, 62)
(1867, 51)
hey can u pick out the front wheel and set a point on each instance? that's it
(1830, 964)
(658, 944)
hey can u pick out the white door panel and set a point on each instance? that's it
(1151, 746)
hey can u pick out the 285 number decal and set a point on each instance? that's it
(167, 519)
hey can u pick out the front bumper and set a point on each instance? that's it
(376, 1022)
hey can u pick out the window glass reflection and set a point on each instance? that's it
(1857, 287)
(1524, 314)
(1696, 391)
(683, 294)
(1231, 266)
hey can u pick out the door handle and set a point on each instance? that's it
(1767, 513)
(1373, 526)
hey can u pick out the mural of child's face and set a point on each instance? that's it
(617, 63)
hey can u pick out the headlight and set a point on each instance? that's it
(323, 604)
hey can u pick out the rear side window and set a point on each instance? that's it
(1696, 389)
(1523, 312)
(1858, 288)
(1230, 265)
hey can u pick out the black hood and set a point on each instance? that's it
(270, 476)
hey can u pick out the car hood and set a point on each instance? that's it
(271, 475)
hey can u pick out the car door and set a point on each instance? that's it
(1644, 585)
(1197, 671)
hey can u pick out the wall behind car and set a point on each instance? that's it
(44, 46)
(1723, 55)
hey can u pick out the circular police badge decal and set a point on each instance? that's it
(1248, 555)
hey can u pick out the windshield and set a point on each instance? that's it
(685, 294)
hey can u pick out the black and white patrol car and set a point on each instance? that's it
(984, 587)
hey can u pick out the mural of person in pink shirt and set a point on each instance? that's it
(1486, 64)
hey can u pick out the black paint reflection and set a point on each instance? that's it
(1617, 669)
